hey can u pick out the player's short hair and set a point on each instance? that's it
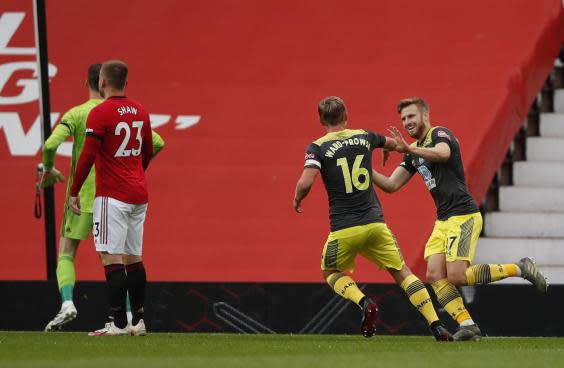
(115, 73)
(332, 110)
(94, 76)
(417, 101)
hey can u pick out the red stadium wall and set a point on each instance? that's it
(250, 73)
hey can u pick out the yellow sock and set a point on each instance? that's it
(419, 297)
(450, 299)
(485, 273)
(345, 287)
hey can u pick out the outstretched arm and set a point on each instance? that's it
(390, 184)
(390, 145)
(304, 186)
(439, 153)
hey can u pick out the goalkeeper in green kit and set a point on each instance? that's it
(74, 228)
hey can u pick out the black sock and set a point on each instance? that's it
(117, 291)
(136, 283)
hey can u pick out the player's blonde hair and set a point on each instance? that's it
(332, 110)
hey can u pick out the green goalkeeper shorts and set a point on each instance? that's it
(76, 227)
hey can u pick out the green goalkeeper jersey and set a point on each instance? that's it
(73, 123)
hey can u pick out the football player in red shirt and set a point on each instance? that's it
(119, 142)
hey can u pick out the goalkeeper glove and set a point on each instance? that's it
(50, 177)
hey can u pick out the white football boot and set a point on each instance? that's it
(110, 329)
(65, 315)
(138, 329)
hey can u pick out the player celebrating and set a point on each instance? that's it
(344, 158)
(118, 139)
(450, 249)
(74, 228)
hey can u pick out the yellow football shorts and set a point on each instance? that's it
(374, 242)
(456, 237)
(76, 227)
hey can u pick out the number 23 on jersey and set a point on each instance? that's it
(123, 128)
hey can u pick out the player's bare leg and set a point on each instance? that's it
(136, 285)
(117, 288)
(345, 286)
(421, 300)
(449, 297)
(66, 277)
(436, 267)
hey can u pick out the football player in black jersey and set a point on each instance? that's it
(449, 251)
(344, 159)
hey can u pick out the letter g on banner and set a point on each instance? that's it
(30, 87)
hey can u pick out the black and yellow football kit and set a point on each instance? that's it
(458, 224)
(357, 222)
(459, 221)
(445, 180)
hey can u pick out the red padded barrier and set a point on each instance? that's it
(221, 191)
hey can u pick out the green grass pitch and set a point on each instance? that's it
(34, 349)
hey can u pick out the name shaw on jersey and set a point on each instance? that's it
(127, 110)
(345, 143)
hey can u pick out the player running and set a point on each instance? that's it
(74, 228)
(344, 158)
(449, 251)
(119, 141)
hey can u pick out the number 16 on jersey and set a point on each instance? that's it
(353, 178)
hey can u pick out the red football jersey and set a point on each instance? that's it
(119, 140)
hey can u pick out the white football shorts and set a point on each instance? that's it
(118, 226)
